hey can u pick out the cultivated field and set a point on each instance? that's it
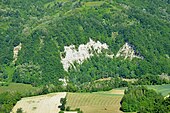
(40, 104)
(99, 102)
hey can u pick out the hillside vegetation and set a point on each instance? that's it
(163, 89)
(45, 27)
(142, 100)
(17, 87)
(35, 33)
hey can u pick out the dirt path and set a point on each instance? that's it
(40, 104)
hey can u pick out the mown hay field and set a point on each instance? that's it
(99, 102)
(40, 104)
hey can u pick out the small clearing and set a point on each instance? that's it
(94, 3)
(40, 104)
(103, 79)
(129, 80)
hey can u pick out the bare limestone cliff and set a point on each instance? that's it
(84, 52)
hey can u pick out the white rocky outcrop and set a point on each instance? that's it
(83, 52)
(16, 51)
(64, 81)
(127, 51)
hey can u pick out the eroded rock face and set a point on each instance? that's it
(16, 51)
(127, 52)
(83, 52)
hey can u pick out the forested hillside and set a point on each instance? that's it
(44, 27)
(143, 100)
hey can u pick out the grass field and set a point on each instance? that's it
(17, 87)
(98, 102)
(163, 89)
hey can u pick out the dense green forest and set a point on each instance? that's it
(142, 100)
(8, 100)
(44, 27)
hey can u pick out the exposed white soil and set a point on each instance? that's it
(127, 51)
(16, 51)
(84, 52)
(40, 104)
